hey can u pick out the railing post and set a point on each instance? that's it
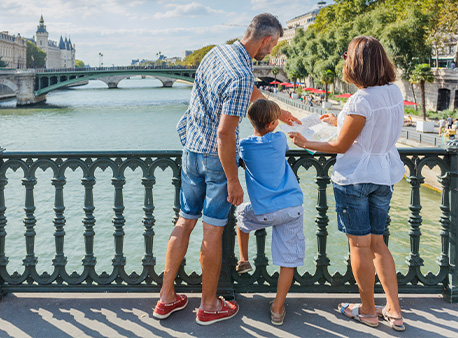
(3, 258)
(451, 292)
(225, 285)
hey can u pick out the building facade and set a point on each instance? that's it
(302, 21)
(13, 50)
(58, 55)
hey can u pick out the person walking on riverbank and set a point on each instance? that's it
(367, 166)
(223, 88)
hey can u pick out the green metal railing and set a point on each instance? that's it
(260, 280)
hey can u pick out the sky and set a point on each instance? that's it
(123, 30)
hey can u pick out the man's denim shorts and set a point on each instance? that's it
(362, 208)
(288, 241)
(203, 187)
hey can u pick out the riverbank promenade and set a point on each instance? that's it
(64, 315)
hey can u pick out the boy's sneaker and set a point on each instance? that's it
(228, 310)
(163, 310)
(277, 318)
(243, 267)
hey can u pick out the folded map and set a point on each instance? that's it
(312, 128)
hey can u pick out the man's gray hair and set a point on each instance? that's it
(263, 25)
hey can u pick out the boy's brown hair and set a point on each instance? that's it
(367, 63)
(262, 112)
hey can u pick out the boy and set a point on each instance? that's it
(276, 199)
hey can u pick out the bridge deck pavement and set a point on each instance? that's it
(130, 315)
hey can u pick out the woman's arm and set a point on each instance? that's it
(352, 126)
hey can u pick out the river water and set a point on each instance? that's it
(141, 115)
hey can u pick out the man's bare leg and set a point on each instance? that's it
(210, 261)
(176, 250)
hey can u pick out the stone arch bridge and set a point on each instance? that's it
(31, 86)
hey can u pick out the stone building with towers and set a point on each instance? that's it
(58, 54)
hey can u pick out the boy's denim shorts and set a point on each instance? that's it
(362, 208)
(288, 241)
(203, 187)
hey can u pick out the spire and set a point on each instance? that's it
(61, 43)
(41, 28)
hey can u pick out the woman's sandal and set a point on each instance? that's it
(391, 319)
(355, 314)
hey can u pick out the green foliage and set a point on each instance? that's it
(79, 64)
(3, 64)
(295, 69)
(280, 88)
(276, 51)
(422, 72)
(196, 57)
(327, 76)
(402, 26)
(35, 57)
(231, 41)
(275, 71)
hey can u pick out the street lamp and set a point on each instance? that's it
(100, 59)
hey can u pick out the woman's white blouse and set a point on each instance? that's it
(373, 157)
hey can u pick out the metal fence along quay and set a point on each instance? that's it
(260, 280)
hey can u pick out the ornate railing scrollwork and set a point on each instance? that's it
(320, 280)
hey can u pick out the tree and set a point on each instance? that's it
(295, 69)
(3, 64)
(196, 57)
(231, 41)
(276, 52)
(422, 73)
(327, 77)
(275, 71)
(79, 64)
(35, 57)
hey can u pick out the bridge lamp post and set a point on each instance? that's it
(100, 59)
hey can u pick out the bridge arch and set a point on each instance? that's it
(49, 80)
(10, 84)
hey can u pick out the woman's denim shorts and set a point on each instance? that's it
(362, 208)
(203, 187)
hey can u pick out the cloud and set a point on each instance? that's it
(193, 9)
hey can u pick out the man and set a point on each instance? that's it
(223, 88)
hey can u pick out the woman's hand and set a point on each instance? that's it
(329, 118)
(298, 139)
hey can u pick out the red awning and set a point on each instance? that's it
(409, 103)
(346, 95)
(284, 83)
(309, 89)
(274, 82)
(319, 91)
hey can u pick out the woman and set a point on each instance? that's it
(367, 167)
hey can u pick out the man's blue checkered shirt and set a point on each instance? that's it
(223, 85)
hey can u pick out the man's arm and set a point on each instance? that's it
(285, 116)
(226, 152)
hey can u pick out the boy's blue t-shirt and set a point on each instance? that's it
(270, 181)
